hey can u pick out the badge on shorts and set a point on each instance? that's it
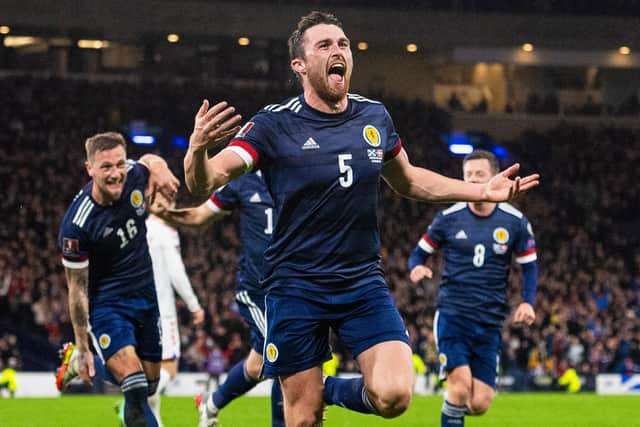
(104, 341)
(371, 135)
(443, 359)
(272, 352)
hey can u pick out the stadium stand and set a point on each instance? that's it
(584, 216)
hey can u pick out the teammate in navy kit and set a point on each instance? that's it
(249, 195)
(478, 240)
(322, 155)
(112, 296)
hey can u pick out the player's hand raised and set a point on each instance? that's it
(420, 272)
(502, 188)
(213, 126)
(524, 315)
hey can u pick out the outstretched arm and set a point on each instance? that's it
(78, 284)
(191, 217)
(212, 127)
(422, 184)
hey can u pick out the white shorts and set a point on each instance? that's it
(170, 338)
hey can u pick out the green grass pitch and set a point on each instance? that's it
(521, 410)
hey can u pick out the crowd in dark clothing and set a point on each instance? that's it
(583, 215)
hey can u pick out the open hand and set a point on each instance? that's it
(501, 188)
(213, 126)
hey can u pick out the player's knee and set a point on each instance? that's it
(309, 419)
(393, 401)
(480, 405)
(458, 392)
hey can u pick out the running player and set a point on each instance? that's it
(106, 259)
(478, 240)
(322, 154)
(249, 195)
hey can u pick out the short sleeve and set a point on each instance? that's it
(393, 144)
(74, 247)
(224, 199)
(254, 141)
(432, 240)
(525, 245)
(137, 172)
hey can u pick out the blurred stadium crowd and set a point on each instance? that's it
(584, 215)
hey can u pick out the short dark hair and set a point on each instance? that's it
(103, 141)
(494, 163)
(312, 19)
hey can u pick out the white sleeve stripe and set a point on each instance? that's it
(75, 265)
(215, 207)
(244, 155)
(425, 246)
(527, 258)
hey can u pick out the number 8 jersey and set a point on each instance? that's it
(477, 255)
(323, 172)
(110, 240)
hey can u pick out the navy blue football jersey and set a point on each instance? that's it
(477, 256)
(110, 240)
(249, 195)
(323, 172)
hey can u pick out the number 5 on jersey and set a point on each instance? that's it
(346, 173)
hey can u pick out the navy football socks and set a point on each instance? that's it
(348, 393)
(452, 415)
(236, 384)
(136, 410)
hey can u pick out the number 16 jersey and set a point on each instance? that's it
(323, 172)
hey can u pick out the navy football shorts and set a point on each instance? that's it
(251, 307)
(461, 342)
(298, 325)
(131, 319)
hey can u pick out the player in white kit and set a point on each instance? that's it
(170, 275)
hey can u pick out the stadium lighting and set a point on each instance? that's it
(180, 141)
(19, 41)
(92, 44)
(624, 50)
(143, 139)
(461, 148)
(244, 41)
(173, 38)
(363, 46)
(5, 29)
(412, 47)
(527, 47)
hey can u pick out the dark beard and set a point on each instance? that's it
(324, 91)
